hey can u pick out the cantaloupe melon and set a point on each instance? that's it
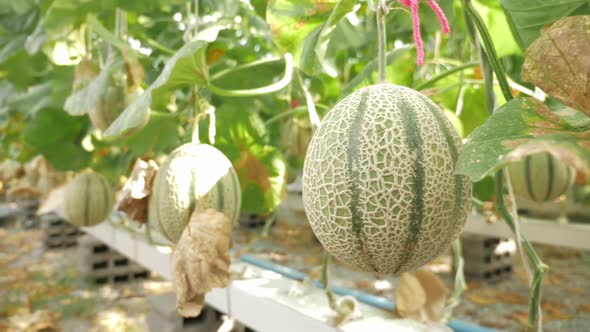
(109, 108)
(540, 177)
(88, 199)
(379, 187)
(194, 176)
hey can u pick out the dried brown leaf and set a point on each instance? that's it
(481, 298)
(511, 298)
(410, 297)
(583, 308)
(201, 260)
(576, 291)
(421, 295)
(558, 62)
(520, 316)
(134, 197)
(40, 320)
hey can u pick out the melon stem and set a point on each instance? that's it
(381, 11)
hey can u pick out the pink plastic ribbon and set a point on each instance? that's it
(413, 4)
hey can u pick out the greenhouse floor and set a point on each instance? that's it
(44, 289)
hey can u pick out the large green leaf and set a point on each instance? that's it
(159, 135)
(521, 127)
(187, 67)
(260, 7)
(49, 94)
(291, 21)
(527, 17)
(16, 7)
(315, 47)
(14, 30)
(473, 111)
(242, 137)
(85, 99)
(57, 136)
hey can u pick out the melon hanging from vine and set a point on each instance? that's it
(379, 187)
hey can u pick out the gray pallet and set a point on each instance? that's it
(103, 265)
(57, 233)
(487, 258)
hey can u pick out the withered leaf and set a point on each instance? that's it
(133, 198)
(40, 320)
(201, 260)
(421, 295)
(558, 62)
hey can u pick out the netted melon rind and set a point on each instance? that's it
(88, 199)
(363, 147)
(194, 176)
(540, 177)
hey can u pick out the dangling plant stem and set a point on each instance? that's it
(535, 316)
(460, 285)
(325, 281)
(195, 116)
(381, 11)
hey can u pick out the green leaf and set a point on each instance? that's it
(49, 94)
(259, 7)
(68, 13)
(291, 21)
(473, 112)
(308, 61)
(342, 8)
(85, 99)
(36, 39)
(527, 17)
(518, 128)
(16, 7)
(14, 30)
(22, 69)
(34, 99)
(159, 135)
(187, 67)
(57, 136)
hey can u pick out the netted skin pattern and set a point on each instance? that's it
(540, 177)
(379, 188)
(88, 199)
(194, 176)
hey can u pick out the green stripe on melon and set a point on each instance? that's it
(540, 177)
(88, 199)
(379, 187)
(194, 176)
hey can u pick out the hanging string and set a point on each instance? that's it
(413, 4)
